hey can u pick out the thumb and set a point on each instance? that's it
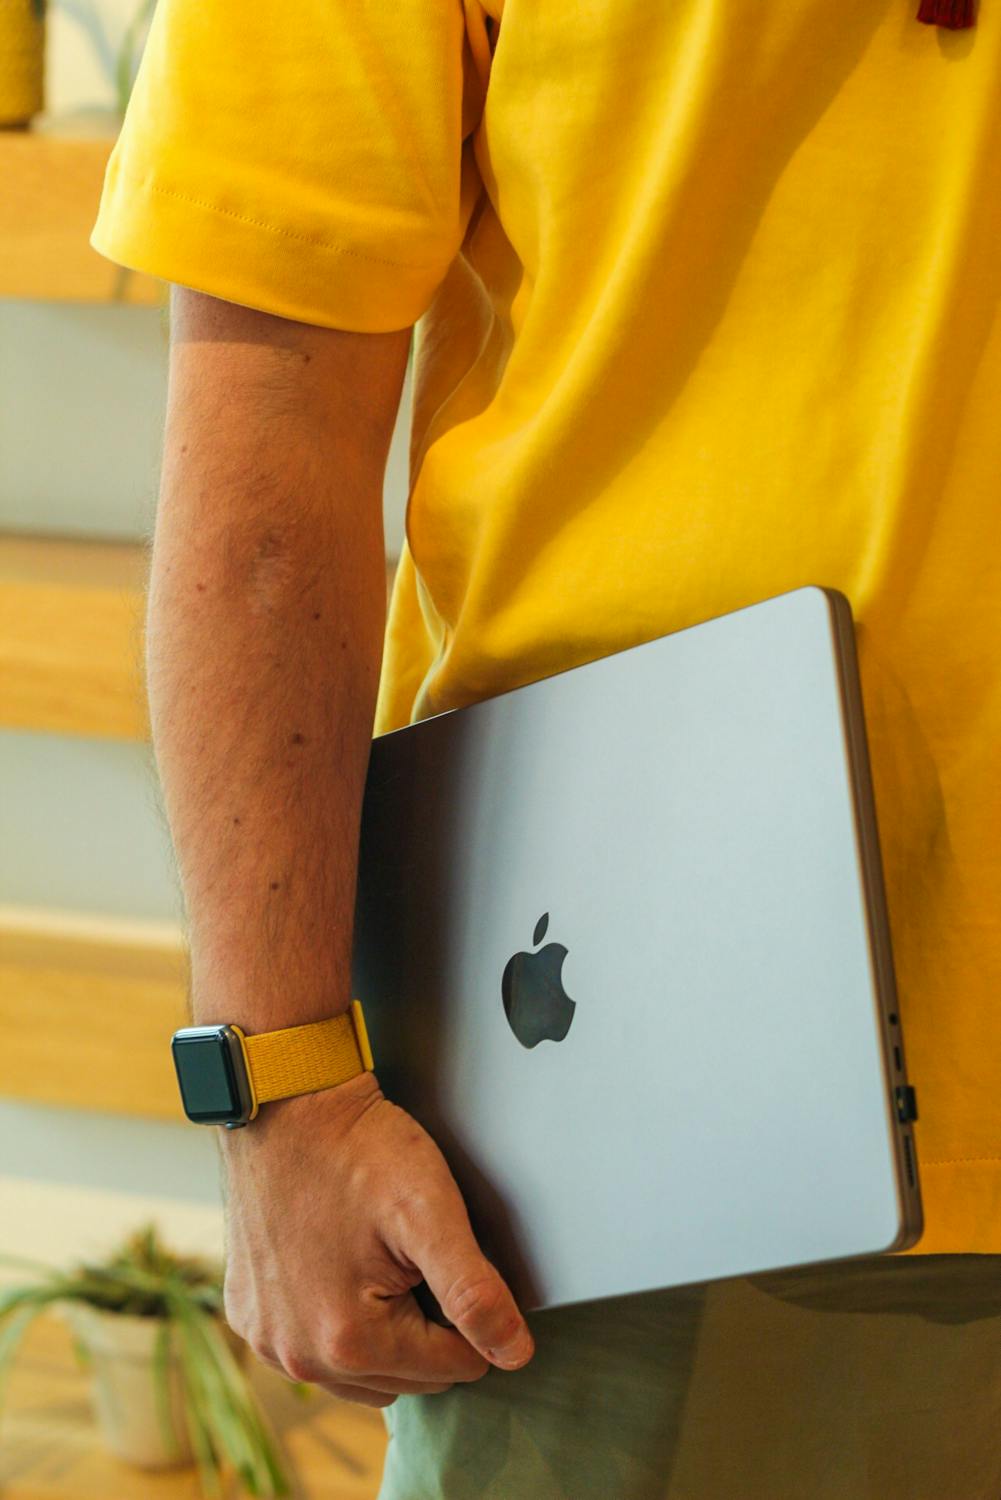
(469, 1289)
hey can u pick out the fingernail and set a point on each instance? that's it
(516, 1352)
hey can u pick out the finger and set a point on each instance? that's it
(356, 1393)
(388, 1385)
(418, 1350)
(470, 1290)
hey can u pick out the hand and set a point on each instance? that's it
(338, 1203)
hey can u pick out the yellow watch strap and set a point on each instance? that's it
(303, 1059)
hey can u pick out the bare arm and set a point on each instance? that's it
(264, 641)
(266, 614)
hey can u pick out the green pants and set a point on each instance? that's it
(872, 1379)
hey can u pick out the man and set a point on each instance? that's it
(706, 309)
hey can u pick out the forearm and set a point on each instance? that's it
(266, 611)
(264, 636)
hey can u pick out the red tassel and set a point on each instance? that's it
(956, 14)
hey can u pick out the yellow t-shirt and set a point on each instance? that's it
(708, 301)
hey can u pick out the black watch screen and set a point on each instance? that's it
(212, 1075)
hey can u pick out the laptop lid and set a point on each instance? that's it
(622, 945)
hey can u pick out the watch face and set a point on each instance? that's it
(210, 1071)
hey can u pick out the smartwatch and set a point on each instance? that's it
(225, 1075)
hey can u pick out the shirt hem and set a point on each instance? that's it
(179, 238)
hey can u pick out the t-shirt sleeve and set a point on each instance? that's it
(311, 159)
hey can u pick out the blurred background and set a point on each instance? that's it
(92, 971)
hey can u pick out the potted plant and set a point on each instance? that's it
(168, 1383)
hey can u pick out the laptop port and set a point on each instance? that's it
(908, 1160)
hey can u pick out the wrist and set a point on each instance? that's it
(335, 1108)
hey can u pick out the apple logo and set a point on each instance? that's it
(535, 1003)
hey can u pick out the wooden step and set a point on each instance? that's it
(87, 1009)
(71, 636)
(52, 176)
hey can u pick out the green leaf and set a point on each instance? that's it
(15, 1326)
(200, 1441)
(162, 1349)
(238, 1426)
(13, 1298)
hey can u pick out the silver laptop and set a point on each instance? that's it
(622, 945)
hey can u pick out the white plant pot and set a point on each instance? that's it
(121, 1349)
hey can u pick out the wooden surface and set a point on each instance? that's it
(51, 1450)
(71, 636)
(87, 1009)
(51, 189)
